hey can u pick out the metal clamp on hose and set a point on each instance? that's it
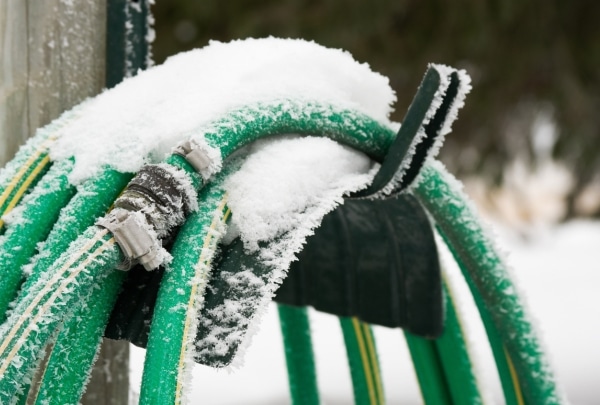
(195, 156)
(155, 201)
(137, 244)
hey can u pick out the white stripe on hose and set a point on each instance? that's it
(210, 241)
(51, 300)
(23, 318)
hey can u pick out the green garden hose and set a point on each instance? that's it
(73, 354)
(51, 296)
(79, 338)
(429, 370)
(487, 275)
(362, 358)
(299, 355)
(248, 124)
(443, 366)
(170, 344)
(454, 357)
(227, 135)
(34, 320)
(40, 211)
(30, 163)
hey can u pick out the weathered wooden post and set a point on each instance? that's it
(53, 56)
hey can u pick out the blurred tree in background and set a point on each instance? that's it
(528, 60)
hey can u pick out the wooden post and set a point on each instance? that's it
(52, 56)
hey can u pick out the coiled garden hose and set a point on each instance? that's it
(73, 289)
(29, 165)
(170, 348)
(34, 320)
(162, 383)
(73, 354)
(52, 295)
(40, 211)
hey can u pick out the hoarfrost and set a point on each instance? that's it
(277, 198)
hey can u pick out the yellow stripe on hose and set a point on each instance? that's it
(15, 180)
(515, 379)
(23, 318)
(365, 359)
(374, 362)
(202, 262)
(32, 175)
(53, 298)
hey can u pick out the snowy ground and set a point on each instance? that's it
(557, 267)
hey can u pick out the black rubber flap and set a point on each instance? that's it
(375, 260)
(131, 316)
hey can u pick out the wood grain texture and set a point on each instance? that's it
(52, 58)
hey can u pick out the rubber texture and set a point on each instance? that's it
(40, 211)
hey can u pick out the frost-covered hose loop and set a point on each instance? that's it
(181, 291)
(74, 352)
(34, 320)
(30, 225)
(30, 162)
(93, 199)
(171, 342)
(207, 147)
(164, 371)
(488, 277)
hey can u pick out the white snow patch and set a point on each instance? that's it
(142, 118)
(286, 186)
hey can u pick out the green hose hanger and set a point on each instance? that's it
(148, 249)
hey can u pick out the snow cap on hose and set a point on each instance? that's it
(141, 119)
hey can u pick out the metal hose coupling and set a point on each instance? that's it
(156, 200)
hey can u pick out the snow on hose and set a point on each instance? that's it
(209, 106)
